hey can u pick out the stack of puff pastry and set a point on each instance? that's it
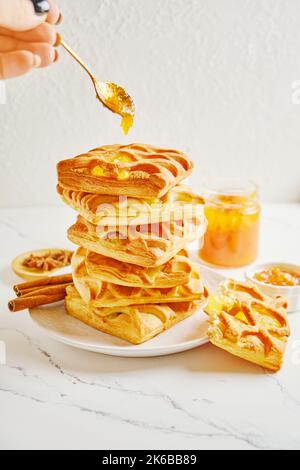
(132, 275)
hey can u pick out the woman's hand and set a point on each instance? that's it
(27, 38)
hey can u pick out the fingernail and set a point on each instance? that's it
(56, 55)
(37, 61)
(60, 19)
(58, 40)
(41, 6)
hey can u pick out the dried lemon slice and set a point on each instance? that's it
(41, 263)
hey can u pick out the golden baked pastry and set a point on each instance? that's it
(99, 209)
(135, 170)
(145, 245)
(248, 324)
(100, 294)
(136, 324)
(174, 273)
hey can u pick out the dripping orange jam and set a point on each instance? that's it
(277, 276)
(118, 101)
(233, 215)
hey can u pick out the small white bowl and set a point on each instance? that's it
(291, 293)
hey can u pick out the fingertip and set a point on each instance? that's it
(54, 13)
(37, 61)
(44, 33)
(17, 63)
(45, 52)
(48, 54)
(60, 19)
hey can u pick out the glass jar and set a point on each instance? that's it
(233, 210)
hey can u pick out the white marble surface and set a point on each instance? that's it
(55, 397)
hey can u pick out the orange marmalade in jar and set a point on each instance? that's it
(233, 213)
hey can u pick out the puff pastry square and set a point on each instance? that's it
(135, 324)
(100, 209)
(248, 324)
(101, 294)
(147, 246)
(136, 170)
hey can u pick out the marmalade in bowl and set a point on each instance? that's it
(277, 276)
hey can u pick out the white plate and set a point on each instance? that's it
(55, 322)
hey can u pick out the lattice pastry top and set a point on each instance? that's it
(136, 170)
(248, 324)
(174, 273)
(100, 209)
(104, 294)
(136, 323)
(147, 246)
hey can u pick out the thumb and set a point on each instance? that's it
(14, 64)
(19, 15)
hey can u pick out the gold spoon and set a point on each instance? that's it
(112, 96)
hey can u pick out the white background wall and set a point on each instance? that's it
(211, 77)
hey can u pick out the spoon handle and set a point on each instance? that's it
(77, 58)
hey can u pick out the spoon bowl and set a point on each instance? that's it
(111, 95)
(117, 100)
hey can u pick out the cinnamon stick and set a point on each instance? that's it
(47, 281)
(23, 303)
(47, 290)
